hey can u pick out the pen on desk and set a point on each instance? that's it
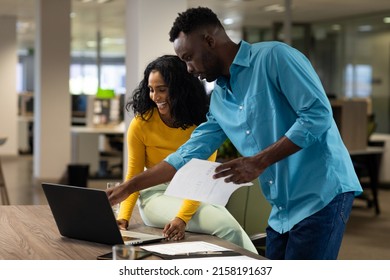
(204, 253)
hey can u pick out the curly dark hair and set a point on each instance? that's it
(192, 19)
(187, 95)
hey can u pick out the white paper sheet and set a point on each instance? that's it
(195, 181)
(184, 248)
(224, 258)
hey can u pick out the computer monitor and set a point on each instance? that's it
(79, 105)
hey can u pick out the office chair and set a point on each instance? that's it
(250, 208)
(367, 167)
(3, 188)
(116, 142)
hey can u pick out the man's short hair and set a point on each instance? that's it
(191, 20)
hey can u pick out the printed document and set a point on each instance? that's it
(195, 181)
(184, 248)
(194, 250)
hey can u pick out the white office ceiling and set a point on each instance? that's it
(89, 17)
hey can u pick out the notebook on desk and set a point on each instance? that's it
(86, 214)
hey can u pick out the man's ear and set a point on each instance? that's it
(210, 40)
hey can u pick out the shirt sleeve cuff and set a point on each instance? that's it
(176, 160)
(300, 136)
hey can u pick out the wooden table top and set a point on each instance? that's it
(29, 232)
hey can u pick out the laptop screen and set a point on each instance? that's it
(86, 214)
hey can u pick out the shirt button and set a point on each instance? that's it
(240, 107)
(280, 208)
(270, 182)
(248, 132)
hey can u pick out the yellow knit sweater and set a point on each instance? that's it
(149, 142)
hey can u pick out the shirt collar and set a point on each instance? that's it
(242, 59)
(243, 55)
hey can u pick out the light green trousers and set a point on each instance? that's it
(157, 209)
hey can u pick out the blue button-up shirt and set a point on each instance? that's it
(273, 91)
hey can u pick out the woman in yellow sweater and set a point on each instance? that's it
(168, 104)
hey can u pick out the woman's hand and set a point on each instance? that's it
(122, 224)
(175, 230)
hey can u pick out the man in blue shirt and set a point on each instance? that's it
(270, 103)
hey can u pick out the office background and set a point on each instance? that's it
(58, 49)
(84, 44)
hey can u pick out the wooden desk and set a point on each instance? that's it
(29, 232)
(104, 129)
(368, 161)
(85, 143)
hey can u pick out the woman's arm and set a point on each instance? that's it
(135, 165)
(126, 210)
(176, 228)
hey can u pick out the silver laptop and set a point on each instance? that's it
(86, 214)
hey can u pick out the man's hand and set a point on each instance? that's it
(175, 230)
(118, 194)
(246, 169)
(122, 224)
(239, 171)
(160, 173)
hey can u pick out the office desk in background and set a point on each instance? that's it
(85, 143)
(384, 174)
(29, 232)
(367, 163)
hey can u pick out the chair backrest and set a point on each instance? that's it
(3, 189)
(250, 208)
